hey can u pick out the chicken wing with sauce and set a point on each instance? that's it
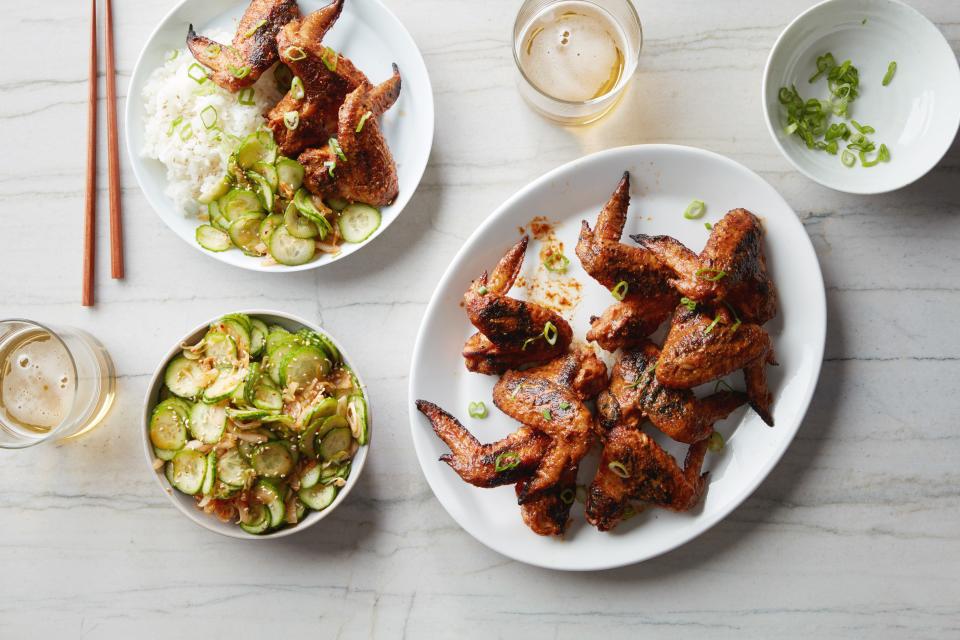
(510, 331)
(635, 394)
(649, 299)
(254, 47)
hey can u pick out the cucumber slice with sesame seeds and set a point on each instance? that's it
(213, 239)
(189, 470)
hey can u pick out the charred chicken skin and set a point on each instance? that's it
(649, 299)
(732, 267)
(511, 332)
(360, 168)
(327, 79)
(549, 514)
(705, 344)
(635, 394)
(634, 467)
(254, 47)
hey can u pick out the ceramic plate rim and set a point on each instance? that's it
(503, 212)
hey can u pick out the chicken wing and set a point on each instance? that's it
(327, 79)
(648, 300)
(636, 394)
(634, 467)
(706, 343)
(360, 168)
(477, 463)
(512, 332)
(731, 268)
(254, 47)
(549, 514)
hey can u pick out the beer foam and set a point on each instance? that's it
(37, 384)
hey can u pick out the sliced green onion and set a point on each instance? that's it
(550, 333)
(824, 64)
(847, 158)
(695, 210)
(213, 49)
(330, 165)
(240, 72)
(883, 155)
(713, 324)
(363, 121)
(296, 88)
(329, 59)
(186, 132)
(736, 318)
(564, 405)
(619, 292)
(209, 116)
(891, 69)
(245, 97)
(567, 496)
(629, 512)
(197, 73)
(715, 443)
(291, 120)
(546, 414)
(708, 226)
(862, 128)
(710, 275)
(294, 54)
(482, 290)
(477, 410)
(254, 28)
(174, 125)
(172, 55)
(557, 263)
(506, 461)
(516, 390)
(618, 468)
(335, 147)
(688, 303)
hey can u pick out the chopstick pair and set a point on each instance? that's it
(113, 160)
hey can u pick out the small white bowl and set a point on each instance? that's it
(916, 115)
(186, 504)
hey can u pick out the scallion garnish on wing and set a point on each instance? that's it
(294, 54)
(546, 414)
(329, 59)
(716, 321)
(618, 468)
(254, 28)
(695, 210)
(710, 275)
(477, 410)
(296, 88)
(330, 165)
(550, 333)
(688, 303)
(619, 292)
(240, 72)
(506, 461)
(213, 49)
(568, 495)
(291, 120)
(363, 121)
(335, 147)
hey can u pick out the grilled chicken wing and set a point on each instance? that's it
(254, 47)
(477, 463)
(652, 475)
(549, 514)
(511, 331)
(363, 169)
(327, 79)
(731, 268)
(706, 343)
(635, 394)
(649, 298)
(551, 400)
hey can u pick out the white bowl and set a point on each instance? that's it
(369, 34)
(916, 115)
(186, 504)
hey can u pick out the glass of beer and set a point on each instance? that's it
(575, 58)
(55, 383)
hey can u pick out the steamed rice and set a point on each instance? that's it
(196, 157)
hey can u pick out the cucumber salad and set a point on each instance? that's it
(261, 207)
(258, 424)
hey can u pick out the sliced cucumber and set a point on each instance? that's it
(189, 469)
(239, 202)
(267, 493)
(303, 365)
(275, 337)
(269, 172)
(238, 327)
(258, 519)
(245, 233)
(267, 397)
(264, 190)
(310, 477)
(168, 428)
(168, 471)
(289, 250)
(335, 444)
(258, 336)
(337, 204)
(215, 192)
(246, 415)
(207, 422)
(331, 348)
(223, 387)
(185, 378)
(357, 417)
(232, 469)
(267, 225)
(257, 147)
(272, 460)
(164, 454)
(279, 352)
(212, 239)
(298, 225)
(209, 474)
(220, 346)
(216, 217)
(358, 222)
(323, 409)
(318, 497)
(306, 206)
(290, 174)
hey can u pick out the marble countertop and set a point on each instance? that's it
(856, 532)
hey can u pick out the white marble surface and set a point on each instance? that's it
(855, 534)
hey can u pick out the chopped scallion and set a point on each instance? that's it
(891, 69)
(710, 275)
(186, 132)
(197, 73)
(564, 405)
(695, 210)
(291, 120)
(688, 303)
(335, 147)
(557, 263)
(550, 333)
(363, 121)
(477, 410)
(213, 49)
(482, 290)
(245, 97)
(294, 54)
(708, 226)
(619, 292)
(296, 88)
(716, 321)
(715, 443)
(329, 59)
(174, 125)
(254, 28)
(546, 414)
(618, 468)
(847, 158)
(330, 165)
(506, 461)
(722, 384)
(240, 72)
(172, 55)
(567, 496)
(209, 116)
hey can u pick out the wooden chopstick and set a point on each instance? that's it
(113, 154)
(90, 216)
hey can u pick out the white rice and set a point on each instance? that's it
(196, 157)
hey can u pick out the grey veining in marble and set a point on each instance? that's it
(856, 533)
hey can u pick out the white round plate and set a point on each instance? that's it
(664, 179)
(916, 115)
(367, 33)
